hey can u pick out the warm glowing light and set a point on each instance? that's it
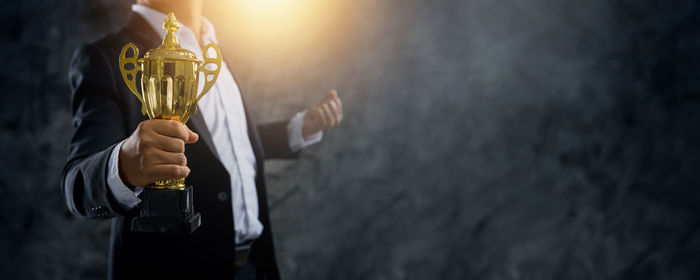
(275, 29)
(274, 10)
(284, 41)
(271, 18)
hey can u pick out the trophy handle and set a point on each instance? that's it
(126, 73)
(216, 60)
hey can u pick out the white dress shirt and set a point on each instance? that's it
(223, 113)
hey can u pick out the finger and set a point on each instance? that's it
(333, 104)
(330, 96)
(192, 137)
(171, 128)
(333, 97)
(167, 171)
(336, 110)
(325, 121)
(158, 157)
(339, 109)
(166, 143)
(329, 112)
(340, 104)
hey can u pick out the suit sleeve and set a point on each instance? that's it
(275, 140)
(99, 126)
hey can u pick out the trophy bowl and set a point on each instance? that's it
(169, 82)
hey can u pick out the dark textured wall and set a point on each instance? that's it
(483, 139)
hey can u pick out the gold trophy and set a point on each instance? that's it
(169, 82)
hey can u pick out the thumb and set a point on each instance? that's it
(193, 137)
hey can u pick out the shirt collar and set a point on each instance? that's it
(155, 20)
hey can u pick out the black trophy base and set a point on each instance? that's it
(185, 225)
(167, 211)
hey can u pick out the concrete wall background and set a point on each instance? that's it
(482, 139)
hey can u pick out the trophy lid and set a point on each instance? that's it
(170, 49)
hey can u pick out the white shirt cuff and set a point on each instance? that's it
(127, 198)
(294, 131)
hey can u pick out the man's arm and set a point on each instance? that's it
(273, 137)
(295, 133)
(99, 166)
(98, 127)
(285, 139)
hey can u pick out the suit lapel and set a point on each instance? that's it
(196, 123)
(139, 28)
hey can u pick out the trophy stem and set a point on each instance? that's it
(173, 184)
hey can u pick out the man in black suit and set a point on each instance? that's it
(116, 151)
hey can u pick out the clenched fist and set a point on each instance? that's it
(325, 114)
(155, 151)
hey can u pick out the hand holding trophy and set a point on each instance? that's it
(169, 81)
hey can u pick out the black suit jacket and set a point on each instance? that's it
(105, 112)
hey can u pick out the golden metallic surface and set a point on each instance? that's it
(169, 81)
(174, 184)
(129, 75)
